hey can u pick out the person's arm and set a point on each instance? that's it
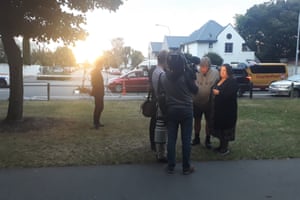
(229, 88)
(191, 82)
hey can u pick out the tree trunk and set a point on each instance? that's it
(13, 53)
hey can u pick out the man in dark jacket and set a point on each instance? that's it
(179, 90)
(97, 92)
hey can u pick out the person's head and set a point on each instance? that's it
(176, 61)
(204, 65)
(225, 71)
(99, 64)
(176, 64)
(162, 58)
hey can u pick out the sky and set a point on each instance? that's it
(140, 22)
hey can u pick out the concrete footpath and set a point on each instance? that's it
(226, 180)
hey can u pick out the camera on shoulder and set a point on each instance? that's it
(185, 63)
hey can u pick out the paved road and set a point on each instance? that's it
(226, 180)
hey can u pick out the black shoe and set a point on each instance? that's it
(153, 147)
(196, 141)
(217, 149)
(188, 171)
(224, 152)
(207, 142)
(170, 170)
(97, 126)
(161, 159)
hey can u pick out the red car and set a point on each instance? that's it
(133, 81)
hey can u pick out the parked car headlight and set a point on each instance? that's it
(281, 86)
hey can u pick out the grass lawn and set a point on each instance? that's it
(58, 133)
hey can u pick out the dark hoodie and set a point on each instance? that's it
(177, 85)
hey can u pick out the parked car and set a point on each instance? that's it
(263, 74)
(114, 71)
(4, 80)
(284, 87)
(243, 80)
(133, 81)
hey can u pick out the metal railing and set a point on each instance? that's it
(78, 89)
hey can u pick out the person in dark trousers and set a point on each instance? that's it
(179, 88)
(206, 78)
(153, 118)
(97, 92)
(225, 109)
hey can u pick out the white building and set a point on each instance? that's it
(214, 38)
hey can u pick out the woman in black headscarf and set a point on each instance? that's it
(225, 108)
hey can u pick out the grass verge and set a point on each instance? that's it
(58, 133)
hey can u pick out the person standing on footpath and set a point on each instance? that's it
(160, 130)
(97, 92)
(206, 78)
(225, 109)
(179, 88)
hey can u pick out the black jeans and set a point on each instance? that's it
(99, 106)
(152, 129)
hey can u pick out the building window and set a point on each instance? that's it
(210, 45)
(229, 36)
(244, 47)
(228, 47)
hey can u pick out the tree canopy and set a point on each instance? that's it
(271, 29)
(47, 20)
(44, 21)
(120, 54)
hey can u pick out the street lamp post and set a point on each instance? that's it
(165, 27)
(297, 45)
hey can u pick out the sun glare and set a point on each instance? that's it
(86, 51)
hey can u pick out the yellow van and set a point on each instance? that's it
(263, 74)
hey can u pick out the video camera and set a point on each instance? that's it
(191, 65)
(185, 62)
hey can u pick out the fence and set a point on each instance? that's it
(48, 91)
(72, 91)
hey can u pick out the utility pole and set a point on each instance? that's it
(297, 46)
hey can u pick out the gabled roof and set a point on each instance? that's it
(208, 32)
(175, 41)
(156, 46)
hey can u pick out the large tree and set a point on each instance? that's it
(44, 21)
(64, 57)
(271, 29)
(136, 58)
(117, 51)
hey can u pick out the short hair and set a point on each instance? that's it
(162, 57)
(205, 61)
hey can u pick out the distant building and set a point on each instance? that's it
(212, 37)
(154, 49)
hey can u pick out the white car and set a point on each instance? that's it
(4, 80)
(284, 87)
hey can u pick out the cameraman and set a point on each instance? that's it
(179, 105)
(206, 78)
